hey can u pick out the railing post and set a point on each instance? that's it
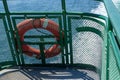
(65, 30)
(42, 54)
(20, 59)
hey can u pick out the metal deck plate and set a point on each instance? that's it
(46, 73)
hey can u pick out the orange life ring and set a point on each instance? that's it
(49, 25)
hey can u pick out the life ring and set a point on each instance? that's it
(46, 24)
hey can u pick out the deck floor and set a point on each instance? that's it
(46, 73)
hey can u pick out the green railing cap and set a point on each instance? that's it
(114, 16)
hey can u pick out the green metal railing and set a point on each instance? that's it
(112, 64)
(106, 30)
(64, 20)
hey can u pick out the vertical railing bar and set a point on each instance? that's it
(9, 22)
(104, 49)
(19, 56)
(65, 29)
(25, 16)
(115, 48)
(9, 41)
(61, 39)
(108, 44)
(70, 32)
(42, 54)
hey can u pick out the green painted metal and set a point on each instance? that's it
(70, 32)
(7, 64)
(113, 42)
(114, 60)
(7, 33)
(114, 16)
(110, 37)
(67, 31)
(42, 53)
(116, 50)
(11, 28)
(83, 29)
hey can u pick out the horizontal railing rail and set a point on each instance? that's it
(114, 17)
(113, 42)
(116, 49)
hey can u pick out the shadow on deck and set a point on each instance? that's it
(45, 73)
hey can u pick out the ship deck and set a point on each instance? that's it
(47, 73)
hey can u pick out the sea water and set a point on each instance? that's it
(91, 6)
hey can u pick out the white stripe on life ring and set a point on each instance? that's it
(45, 24)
